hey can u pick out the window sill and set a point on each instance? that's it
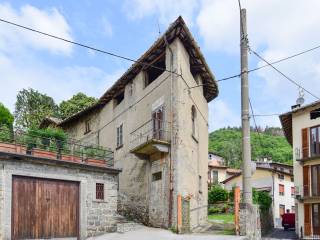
(195, 138)
(118, 147)
(86, 132)
(99, 201)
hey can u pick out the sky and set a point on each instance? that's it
(276, 29)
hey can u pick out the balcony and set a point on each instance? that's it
(70, 150)
(151, 137)
(305, 193)
(306, 157)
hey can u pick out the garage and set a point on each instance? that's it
(44, 208)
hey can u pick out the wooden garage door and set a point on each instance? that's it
(44, 208)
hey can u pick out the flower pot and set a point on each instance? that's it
(43, 153)
(98, 162)
(71, 158)
(7, 147)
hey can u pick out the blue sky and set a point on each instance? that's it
(129, 27)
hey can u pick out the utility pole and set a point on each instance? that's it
(246, 148)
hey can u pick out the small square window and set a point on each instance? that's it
(156, 176)
(100, 191)
(281, 176)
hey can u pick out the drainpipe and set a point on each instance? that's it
(171, 134)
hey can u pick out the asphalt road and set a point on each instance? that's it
(279, 233)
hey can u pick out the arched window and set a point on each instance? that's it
(193, 119)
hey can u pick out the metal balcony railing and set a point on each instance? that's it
(54, 148)
(305, 191)
(153, 129)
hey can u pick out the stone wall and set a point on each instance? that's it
(96, 216)
(249, 221)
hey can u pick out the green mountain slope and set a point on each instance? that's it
(226, 142)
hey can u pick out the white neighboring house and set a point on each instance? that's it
(217, 171)
(275, 178)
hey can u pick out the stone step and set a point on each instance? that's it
(123, 227)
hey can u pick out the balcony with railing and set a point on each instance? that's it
(307, 192)
(68, 150)
(151, 137)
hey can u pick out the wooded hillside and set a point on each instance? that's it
(268, 143)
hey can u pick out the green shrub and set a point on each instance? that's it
(217, 194)
(262, 198)
(214, 210)
(6, 133)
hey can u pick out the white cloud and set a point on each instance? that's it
(221, 115)
(166, 10)
(21, 67)
(59, 83)
(50, 21)
(276, 29)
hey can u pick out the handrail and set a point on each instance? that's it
(31, 142)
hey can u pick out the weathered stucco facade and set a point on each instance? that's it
(150, 182)
(96, 216)
(298, 125)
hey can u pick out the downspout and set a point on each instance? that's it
(171, 134)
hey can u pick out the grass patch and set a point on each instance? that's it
(222, 218)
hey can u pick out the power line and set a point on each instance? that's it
(281, 73)
(87, 46)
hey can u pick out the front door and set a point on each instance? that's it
(316, 218)
(44, 208)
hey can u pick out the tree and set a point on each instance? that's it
(6, 118)
(75, 104)
(32, 106)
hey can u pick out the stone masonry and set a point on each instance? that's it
(96, 216)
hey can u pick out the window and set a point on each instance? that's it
(281, 176)
(281, 209)
(87, 127)
(315, 180)
(118, 99)
(100, 191)
(315, 114)
(193, 119)
(292, 191)
(157, 122)
(131, 88)
(292, 179)
(315, 141)
(152, 73)
(120, 136)
(156, 176)
(214, 177)
(200, 184)
(281, 189)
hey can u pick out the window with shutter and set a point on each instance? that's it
(100, 191)
(158, 123)
(281, 189)
(120, 136)
(306, 184)
(305, 143)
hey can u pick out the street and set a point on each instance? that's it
(279, 233)
(147, 233)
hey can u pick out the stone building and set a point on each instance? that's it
(301, 128)
(155, 118)
(46, 194)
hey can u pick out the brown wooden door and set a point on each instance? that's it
(44, 208)
(307, 220)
